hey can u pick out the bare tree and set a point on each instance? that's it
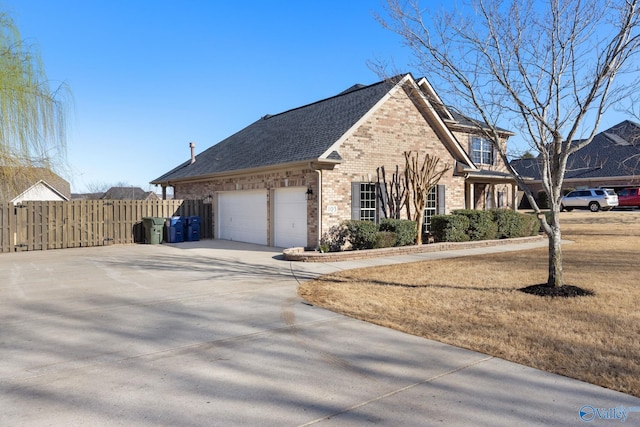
(420, 179)
(392, 194)
(549, 68)
(32, 115)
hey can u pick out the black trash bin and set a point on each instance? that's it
(192, 229)
(175, 232)
(153, 227)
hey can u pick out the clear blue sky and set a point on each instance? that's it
(148, 77)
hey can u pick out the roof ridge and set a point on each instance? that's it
(353, 89)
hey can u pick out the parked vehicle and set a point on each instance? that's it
(593, 199)
(629, 197)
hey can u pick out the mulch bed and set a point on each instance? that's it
(566, 291)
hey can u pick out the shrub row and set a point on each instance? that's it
(369, 235)
(464, 225)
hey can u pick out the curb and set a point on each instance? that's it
(299, 254)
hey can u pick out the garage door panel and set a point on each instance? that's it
(290, 217)
(242, 216)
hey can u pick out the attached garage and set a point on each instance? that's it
(290, 217)
(242, 216)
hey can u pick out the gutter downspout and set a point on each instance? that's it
(319, 172)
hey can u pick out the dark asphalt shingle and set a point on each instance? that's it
(613, 152)
(301, 134)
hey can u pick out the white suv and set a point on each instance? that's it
(592, 198)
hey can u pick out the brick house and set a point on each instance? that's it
(287, 178)
(611, 160)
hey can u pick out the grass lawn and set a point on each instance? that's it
(474, 302)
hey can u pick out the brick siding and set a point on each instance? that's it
(380, 140)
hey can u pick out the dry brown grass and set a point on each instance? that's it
(474, 302)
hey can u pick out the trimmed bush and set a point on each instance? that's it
(450, 228)
(385, 239)
(509, 223)
(334, 240)
(361, 234)
(405, 230)
(532, 224)
(514, 224)
(481, 224)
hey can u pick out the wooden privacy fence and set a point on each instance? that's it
(40, 225)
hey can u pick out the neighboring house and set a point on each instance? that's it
(128, 193)
(33, 184)
(287, 178)
(118, 193)
(86, 196)
(611, 160)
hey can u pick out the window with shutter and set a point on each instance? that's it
(363, 201)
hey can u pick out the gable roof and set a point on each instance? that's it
(128, 193)
(614, 152)
(449, 114)
(298, 135)
(14, 182)
(310, 133)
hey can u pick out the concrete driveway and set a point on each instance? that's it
(212, 333)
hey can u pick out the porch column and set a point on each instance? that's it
(164, 192)
(494, 197)
(471, 197)
(514, 196)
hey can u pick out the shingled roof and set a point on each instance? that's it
(613, 152)
(298, 135)
(128, 193)
(14, 181)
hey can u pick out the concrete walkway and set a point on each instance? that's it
(213, 333)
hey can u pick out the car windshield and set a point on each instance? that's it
(610, 192)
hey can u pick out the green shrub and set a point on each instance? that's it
(385, 239)
(514, 224)
(361, 234)
(335, 239)
(450, 228)
(405, 230)
(509, 223)
(532, 224)
(481, 224)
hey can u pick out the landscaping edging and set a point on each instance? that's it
(299, 254)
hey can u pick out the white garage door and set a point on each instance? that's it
(242, 216)
(290, 217)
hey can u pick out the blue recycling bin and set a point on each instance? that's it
(192, 229)
(175, 234)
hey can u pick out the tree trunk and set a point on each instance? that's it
(556, 278)
(419, 221)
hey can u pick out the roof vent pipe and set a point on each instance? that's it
(193, 153)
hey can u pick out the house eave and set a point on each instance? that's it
(316, 164)
(488, 176)
(471, 129)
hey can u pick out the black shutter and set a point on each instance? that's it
(381, 200)
(441, 200)
(355, 200)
